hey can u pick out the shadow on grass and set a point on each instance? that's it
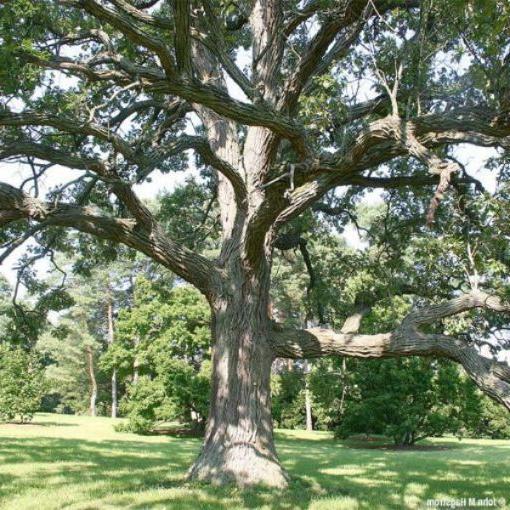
(52, 424)
(141, 474)
(30, 424)
(389, 478)
(132, 468)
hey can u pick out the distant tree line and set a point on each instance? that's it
(128, 338)
(139, 347)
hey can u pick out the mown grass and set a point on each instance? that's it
(82, 463)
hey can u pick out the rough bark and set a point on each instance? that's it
(147, 237)
(239, 445)
(270, 168)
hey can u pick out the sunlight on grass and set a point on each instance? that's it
(82, 463)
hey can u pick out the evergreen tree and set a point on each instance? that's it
(162, 349)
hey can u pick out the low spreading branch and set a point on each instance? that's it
(16, 205)
(408, 339)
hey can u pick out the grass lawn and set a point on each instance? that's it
(81, 462)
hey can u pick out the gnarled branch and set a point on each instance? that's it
(408, 339)
(16, 205)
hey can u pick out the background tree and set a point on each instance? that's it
(23, 384)
(73, 347)
(406, 400)
(491, 422)
(71, 355)
(298, 133)
(5, 306)
(165, 337)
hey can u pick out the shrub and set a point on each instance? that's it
(141, 405)
(22, 384)
(178, 392)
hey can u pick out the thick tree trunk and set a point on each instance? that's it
(239, 445)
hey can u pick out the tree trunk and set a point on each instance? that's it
(343, 395)
(239, 445)
(308, 398)
(115, 404)
(92, 379)
(111, 338)
(136, 361)
(308, 408)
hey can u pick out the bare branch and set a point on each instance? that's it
(214, 41)
(349, 16)
(71, 66)
(223, 104)
(308, 10)
(386, 139)
(341, 17)
(136, 107)
(128, 25)
(141, 15)
(46, 153)
(202, 146)
(68, 125)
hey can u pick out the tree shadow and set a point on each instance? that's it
(130, 473)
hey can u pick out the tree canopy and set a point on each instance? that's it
(292, 113)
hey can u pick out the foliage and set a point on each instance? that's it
(287, 394)
(491, 420)
(405, 399)
(161, 323)
(177, 393)
(164, 336)
(142, 404)
(339, 98)
(5, 306)
(22, 384)
(64, 349)
(331, 382)
(83, 326)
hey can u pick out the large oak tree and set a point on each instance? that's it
(141, 72)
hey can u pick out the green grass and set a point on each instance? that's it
(82, 463)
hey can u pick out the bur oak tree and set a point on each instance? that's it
(271, 97)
